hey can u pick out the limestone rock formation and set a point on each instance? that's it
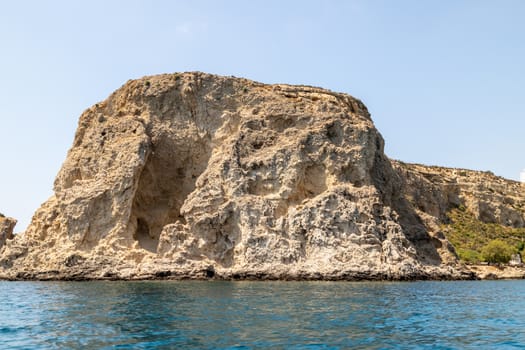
(194, 175)
(7, 226)
(469, 208)
(435, 190)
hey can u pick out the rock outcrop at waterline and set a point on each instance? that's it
(471, 209)
(194, 175)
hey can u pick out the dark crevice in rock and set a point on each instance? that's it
(167, 178)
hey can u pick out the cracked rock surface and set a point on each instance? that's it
(6, 229)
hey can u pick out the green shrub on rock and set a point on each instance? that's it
(497, 251)
(469, 235)
(468, 255)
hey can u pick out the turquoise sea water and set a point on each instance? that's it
(252, 315)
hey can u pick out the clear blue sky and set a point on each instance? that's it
(444, 80)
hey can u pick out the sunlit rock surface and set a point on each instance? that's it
(194, 175)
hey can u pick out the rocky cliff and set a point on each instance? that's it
(469, 208)
(194, 175)
(435, 191)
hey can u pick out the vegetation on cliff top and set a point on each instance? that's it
(476, 241)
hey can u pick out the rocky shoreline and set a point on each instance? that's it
(245, 276)
(473, 272)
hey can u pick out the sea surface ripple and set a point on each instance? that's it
(257, 315)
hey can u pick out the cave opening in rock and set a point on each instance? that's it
(168, 177)
(142, 235)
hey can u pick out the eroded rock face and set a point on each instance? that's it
(7, 226)
(435, 190)
(196, 175)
